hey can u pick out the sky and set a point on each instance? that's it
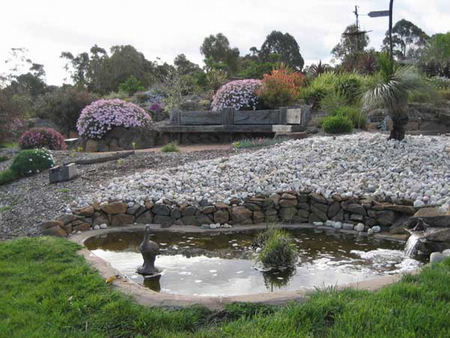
(167, 28)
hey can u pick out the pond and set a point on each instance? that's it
(223, 264)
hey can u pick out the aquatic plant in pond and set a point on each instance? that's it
(277, 249)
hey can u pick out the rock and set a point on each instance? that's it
(347, 226)
(134, 209)
(322, 216)
(404, 209)
(210, 209)
(433, 217)
(175, 213)
(52, 224)
(240, 214)
(318, 198)
(359, 227)
(258, 217)
(317, 224)
(189, 211)
(313, 218)
(97, 227)
(418, 204)
(275, 198)
(303, 213)
(376, 229)
(91, 146)
(163, 220)
(87, 211)
(145, 218)
(303, 198)
(321, 207)
(334, 208)
(399, 227)
(357, 209)
(440, 235)
(337, 225)
(103, 226)
(286, 203)
(386, 217)
(221, 216)
(437, 257)
(55, 231)
(339, 216)
(189, 220)
(161, 209)
(286, 214)
(82, 227)
(235, 201)
(122, 219)
(287, 196)
(271, 212)
(303, 206)
(370, 231)
(220, 206)
(149, 205)
(356, 217)
(204, 219)
(67, 218)
(114, 208)
(99, 219)
(299, 220)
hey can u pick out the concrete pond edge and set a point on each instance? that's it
(147, 297)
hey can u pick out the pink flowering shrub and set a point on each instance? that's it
(239, 94)
(103, 115)
(42, 138)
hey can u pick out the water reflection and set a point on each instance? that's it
(153, 282)
(223, 264)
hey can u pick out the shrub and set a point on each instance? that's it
(336, 124)
(102, 115)
(281, 88)
(31, 162)
(239, 95)
(354, 114)
(7, 176)
(171, 147)
(444, 93)
(350, 87)
(131, 85)
(63, 106)
(42, 138)
(314, 96)
(278, 249)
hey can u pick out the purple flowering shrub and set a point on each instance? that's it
(103, 115)
(239, 94)
(42, 138)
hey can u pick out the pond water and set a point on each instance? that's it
(223, 264)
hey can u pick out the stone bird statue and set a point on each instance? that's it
(149, 251)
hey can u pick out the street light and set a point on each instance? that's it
(377, 14)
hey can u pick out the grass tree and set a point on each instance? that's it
(391, 89)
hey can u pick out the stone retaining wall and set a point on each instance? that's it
(362, 215)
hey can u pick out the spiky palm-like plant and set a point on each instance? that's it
(391, 91)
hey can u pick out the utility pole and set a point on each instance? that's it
(391, 8)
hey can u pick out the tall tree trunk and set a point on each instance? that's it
(399, 120)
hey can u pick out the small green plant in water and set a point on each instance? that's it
(277, 249)
(134, 145)
(171, 147)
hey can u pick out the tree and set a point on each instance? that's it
(184, 66)
(131, 86)
(436, 56)
(218, 53)
(352, 42)
(392, 91)
(408, 40)
(80, 67)
(283, 45)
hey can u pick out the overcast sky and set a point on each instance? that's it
(166, 28)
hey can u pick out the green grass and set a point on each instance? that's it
(64, 190)
(9, 145)
(7, 176)
(4, 158)
(171, 147)
(257, 142)
(49, 291)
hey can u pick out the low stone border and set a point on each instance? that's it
(339, 212)
(147, 297)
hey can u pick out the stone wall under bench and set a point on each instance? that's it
(362, 215)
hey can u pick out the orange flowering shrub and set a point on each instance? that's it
(281, 88)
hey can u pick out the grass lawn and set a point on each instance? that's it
(47, 291)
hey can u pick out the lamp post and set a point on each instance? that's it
(377, 14)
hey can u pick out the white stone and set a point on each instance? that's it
(317, 224)
(437, 257)
(96, 227)
(370, 232)
(376, 228)
(418, 204)
(337, 225)
(103, 226)
(359, 227)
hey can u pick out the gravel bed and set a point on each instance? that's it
(362, 164)
(25, 203)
